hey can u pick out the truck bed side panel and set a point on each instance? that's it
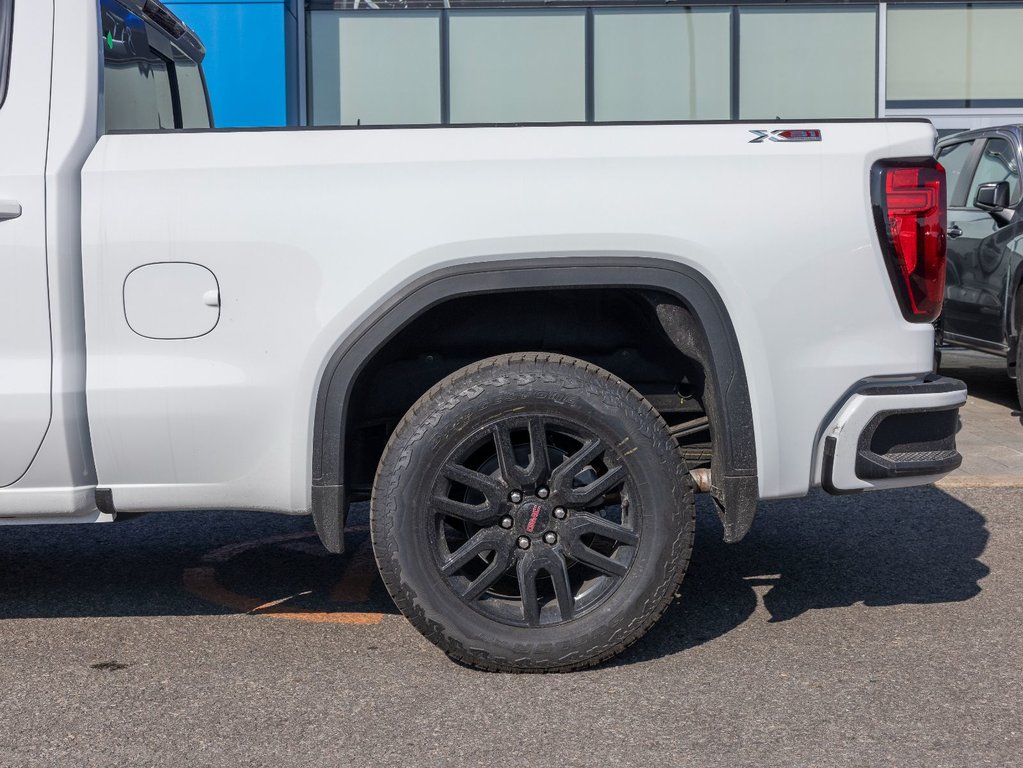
(308, 231)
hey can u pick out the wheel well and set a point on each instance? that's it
(658, 324)
(617, 329)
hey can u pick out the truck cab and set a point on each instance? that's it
(54, 112)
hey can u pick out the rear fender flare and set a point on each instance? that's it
(736, 484)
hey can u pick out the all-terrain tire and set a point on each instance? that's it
(551, 483)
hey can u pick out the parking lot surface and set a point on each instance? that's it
(991, 438)
(881, 629)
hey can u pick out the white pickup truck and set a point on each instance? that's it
(526, 346)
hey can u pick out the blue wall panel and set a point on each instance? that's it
(247, 50)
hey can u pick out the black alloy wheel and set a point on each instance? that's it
(532, 513)
(534, 520)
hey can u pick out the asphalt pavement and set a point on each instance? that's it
(991, 437)
(882, 629)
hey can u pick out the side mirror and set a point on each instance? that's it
(992, 197)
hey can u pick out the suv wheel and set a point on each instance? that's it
(532, 513)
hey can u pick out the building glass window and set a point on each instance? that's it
(518, 67)
(954, 56)
(435, 62)
(807, 63)
(375, 68)
(661, 65)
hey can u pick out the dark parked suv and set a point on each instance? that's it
(984, 289)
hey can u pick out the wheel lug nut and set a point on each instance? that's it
(515, 497)
(560, 513)
(542, 492)
(507, 522)
(523, 542)
(550, 537)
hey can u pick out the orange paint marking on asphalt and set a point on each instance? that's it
(354, 586)
(325, 617)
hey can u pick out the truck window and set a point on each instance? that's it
(136, 83)
(148, 82)
(195, 111)
(6, 9)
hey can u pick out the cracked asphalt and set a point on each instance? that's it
(876, 630)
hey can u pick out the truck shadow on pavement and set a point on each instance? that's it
(915, 546)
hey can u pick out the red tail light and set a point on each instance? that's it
(911, 216)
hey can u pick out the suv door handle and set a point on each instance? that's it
(954, 231)
(9, 209)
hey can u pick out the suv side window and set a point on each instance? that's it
(148, 83)
(6, 25)
(954, 158)
(998, 162)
